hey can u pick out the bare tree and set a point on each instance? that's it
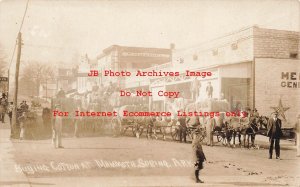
(33, 74)
(48, 72)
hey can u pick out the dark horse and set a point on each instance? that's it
(250, 131)
(262, 122)
(236, 127)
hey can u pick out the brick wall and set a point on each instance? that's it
(232, 48)
(272, 43)
(268, 89)
(240, 46)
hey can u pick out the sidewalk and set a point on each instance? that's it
(8, 175)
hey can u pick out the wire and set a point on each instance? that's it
(47, 46)
(13, 54)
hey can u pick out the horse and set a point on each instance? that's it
(172, 121)
(250, 131)
(262, 122)
(221, 130)
(242, 126)
(233, 129)
(161, 124)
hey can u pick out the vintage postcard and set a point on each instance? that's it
(149, 93)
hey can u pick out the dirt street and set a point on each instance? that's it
(149, 162)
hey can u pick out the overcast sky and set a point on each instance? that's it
(57, 30)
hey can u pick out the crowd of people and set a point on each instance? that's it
(7, 108)
(3, 106)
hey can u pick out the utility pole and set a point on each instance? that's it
(7, 84)
(298, 135)
(46, 89)
(14, 117)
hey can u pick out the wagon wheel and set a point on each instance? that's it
(174, 132)
(162, 132)
(219, 138)
(116, 127)
(157, 131)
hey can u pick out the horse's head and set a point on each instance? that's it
(254, 125)
(262, 122)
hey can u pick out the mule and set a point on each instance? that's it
(238, 127)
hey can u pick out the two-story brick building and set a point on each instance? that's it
(118, 58)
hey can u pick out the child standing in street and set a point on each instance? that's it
(199, 157)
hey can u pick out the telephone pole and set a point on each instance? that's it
(298, 135)
(15, 100)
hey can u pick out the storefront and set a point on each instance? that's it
(277, 88)
(251, 68)
(182, 84)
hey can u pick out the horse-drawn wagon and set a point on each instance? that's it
(201, 118)
(210, 119)
(122, 122)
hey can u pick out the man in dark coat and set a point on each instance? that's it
(9, 112)
(182, 129)
(274, 133)
(46, 116)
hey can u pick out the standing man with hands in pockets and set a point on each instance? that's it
(274, 133)
(57, 129)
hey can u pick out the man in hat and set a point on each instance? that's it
(274, 133)
(9, 112)
(24, 107)
(182, 128)
(22, 120)
(255, 113)
(57, 129)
